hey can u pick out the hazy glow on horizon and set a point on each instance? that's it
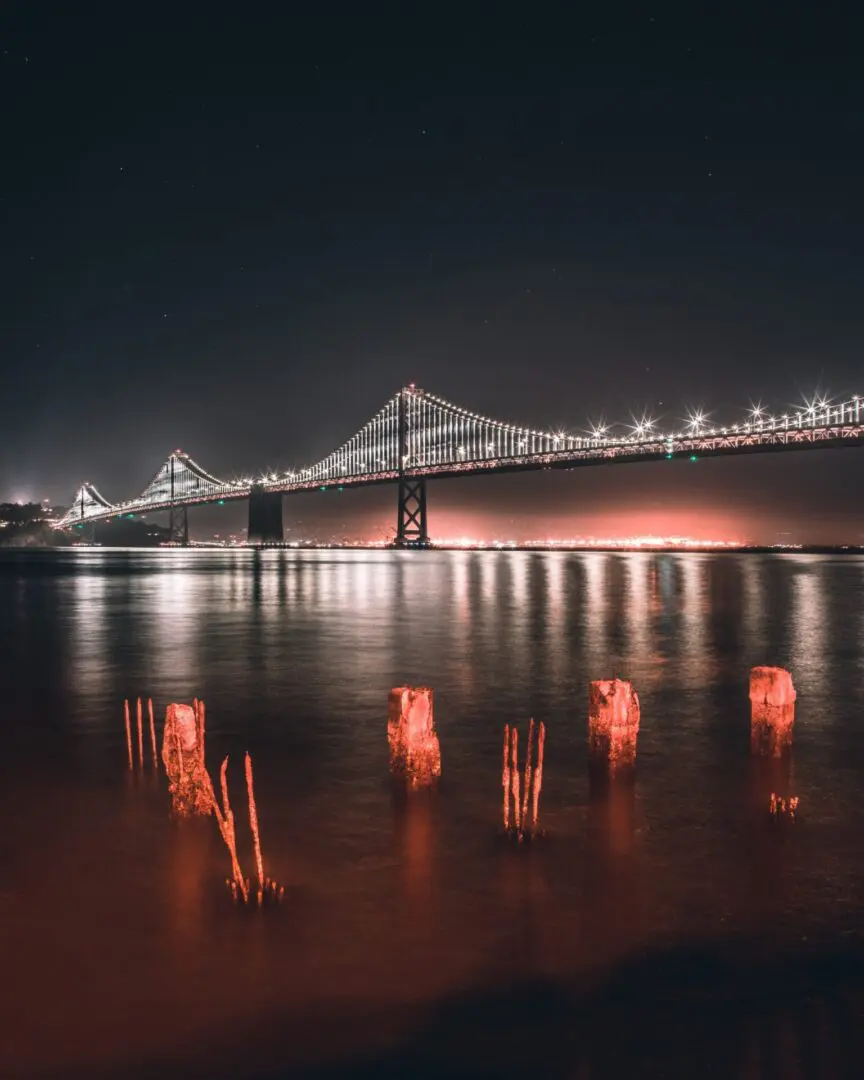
(700, 526)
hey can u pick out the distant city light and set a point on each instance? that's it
(578, 543)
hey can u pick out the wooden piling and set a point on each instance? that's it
(253, 821)
(140, 734)
(128, 731)
(152, 733)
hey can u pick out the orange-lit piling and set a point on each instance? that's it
(152, 733)
(268, 891)
(253, 821)
(140, 734)
(182, 755)
(505, 777)
(780, 807)
(772, 710)
(538, 775)
(178, 747)
(514, 778)
(230, 833)
(613, 725)
(201, 726)
(225, 820)
(526, 787)
(525, 793)
(128, 732)
(415, 753)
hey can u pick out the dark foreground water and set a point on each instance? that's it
(669, 929)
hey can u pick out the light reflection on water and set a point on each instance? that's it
(397, 904)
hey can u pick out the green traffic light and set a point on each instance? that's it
(221, 502)
(693, 457)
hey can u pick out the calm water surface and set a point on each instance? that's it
(659, 922)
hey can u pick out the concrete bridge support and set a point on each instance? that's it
(178, 525)
(265, 516)
(411, 527)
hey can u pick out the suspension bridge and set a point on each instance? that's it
(418, 436)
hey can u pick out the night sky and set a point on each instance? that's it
(241, 235)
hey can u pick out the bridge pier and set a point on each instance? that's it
(411, 527)
(178, 526)
(265, 516)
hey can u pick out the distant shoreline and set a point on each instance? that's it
(697, 549)
(690, 549)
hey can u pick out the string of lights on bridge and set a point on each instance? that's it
(417, 433)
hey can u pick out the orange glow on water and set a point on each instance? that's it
(635, 527)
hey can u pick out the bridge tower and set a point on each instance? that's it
(178, 520)
(411, 525)
(265, 516)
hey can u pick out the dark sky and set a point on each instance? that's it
(240, 235)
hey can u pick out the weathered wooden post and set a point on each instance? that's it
(772, 710)
(183, 755)
(613, 724)
(415, 753)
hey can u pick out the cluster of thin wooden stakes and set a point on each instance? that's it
(525, 794)
(205, 801)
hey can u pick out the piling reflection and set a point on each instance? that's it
(90, 644)
(596, 611)
(808, 654)
(770, 776)
(694, 617)
(640, 580)
(612, 816)
(414, 827)
(190, 872)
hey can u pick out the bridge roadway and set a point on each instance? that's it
(459, 445)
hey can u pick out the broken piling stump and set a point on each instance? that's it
(613, 724)
(772, 710)
(415, 753)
